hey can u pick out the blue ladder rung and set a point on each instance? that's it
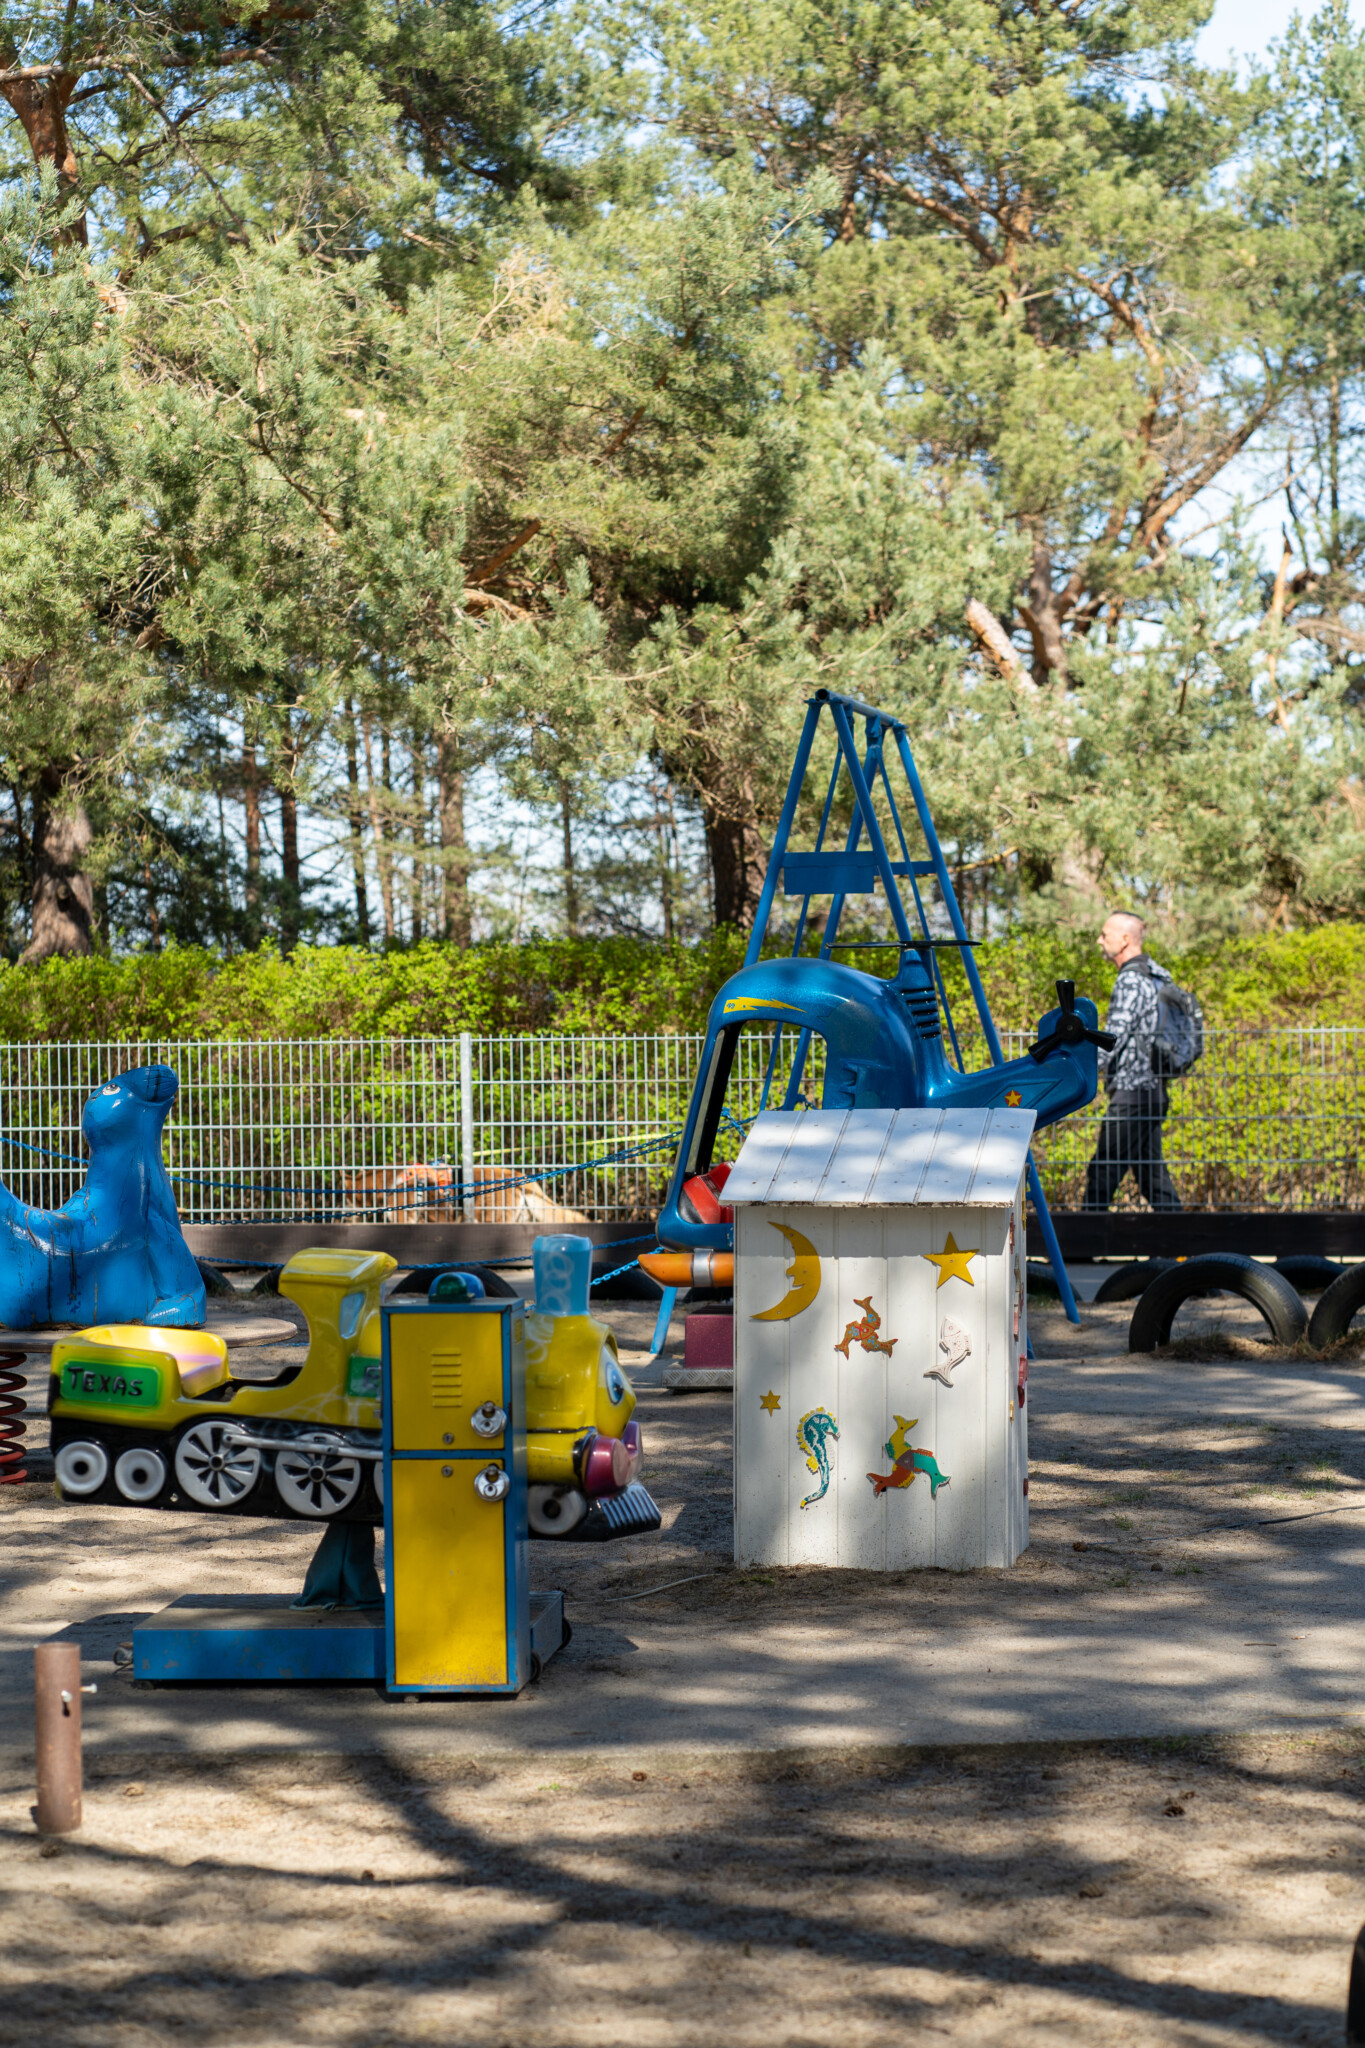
(829, 874)
(838, 873)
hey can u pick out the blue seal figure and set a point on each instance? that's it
(115, 1252)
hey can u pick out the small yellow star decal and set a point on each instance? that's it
(1013, 1098)
(952, 1264)
(772, 1402)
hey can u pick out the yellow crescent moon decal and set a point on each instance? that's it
(804, 1274)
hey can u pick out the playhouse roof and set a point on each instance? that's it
(883, 1158)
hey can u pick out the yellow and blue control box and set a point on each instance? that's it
(454, 1408)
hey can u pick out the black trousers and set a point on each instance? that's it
(1130, 1142)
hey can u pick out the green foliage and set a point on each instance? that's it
(396, 394)
(608, 986)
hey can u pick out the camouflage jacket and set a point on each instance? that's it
(1132, 1018)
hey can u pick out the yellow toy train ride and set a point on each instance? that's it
(149, 1417)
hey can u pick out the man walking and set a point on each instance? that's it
(1139, 1096)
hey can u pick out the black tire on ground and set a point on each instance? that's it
(1042, 1280)
(566, 1636)
(1308, 1272)
(421, 1277)
(1128, 1281)
(269, 1282)
(214, 1278)
(1217, 1273)
(1335, 1312)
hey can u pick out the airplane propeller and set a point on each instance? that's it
(1069, 1029)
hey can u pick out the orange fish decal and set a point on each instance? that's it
(865, 1331)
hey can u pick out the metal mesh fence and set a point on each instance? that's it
(550, 1128)
(1269, 1120)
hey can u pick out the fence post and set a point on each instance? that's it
(57, 1716)
(467, 1122)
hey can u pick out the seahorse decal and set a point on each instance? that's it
(813, 1433)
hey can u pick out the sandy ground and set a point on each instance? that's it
(1200, 1889)
(1164, 1894)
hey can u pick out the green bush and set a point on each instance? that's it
(606, 985)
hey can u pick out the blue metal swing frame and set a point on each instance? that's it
(854, 869)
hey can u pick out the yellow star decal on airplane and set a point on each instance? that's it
(952, 1264)
(772, 1402)
(1012, 1098)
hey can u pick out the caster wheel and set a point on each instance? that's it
(536, 1668)
(567, 1636)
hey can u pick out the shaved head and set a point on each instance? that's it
(1121, 938)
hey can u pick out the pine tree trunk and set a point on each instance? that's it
(251, 807)
(379, 825)
(738, 864)
(666, 827)
(153, 920)
(454, 846)
(570, 880)
(63, 901)
(291, 895)
(356, 825)
(291, 885)
(419, 839)
(41, 104)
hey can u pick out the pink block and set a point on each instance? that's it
(708, 1343)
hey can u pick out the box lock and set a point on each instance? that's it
(493, 1483)
(490, 1420)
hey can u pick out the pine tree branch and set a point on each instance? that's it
(495, 562)
(1153, 524)
(998, 644)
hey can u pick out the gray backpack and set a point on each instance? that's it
(1178, 1040)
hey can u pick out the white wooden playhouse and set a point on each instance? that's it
(880, 1338)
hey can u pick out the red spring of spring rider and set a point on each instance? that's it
(12, 1428)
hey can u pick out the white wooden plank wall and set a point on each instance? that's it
(877, 1253)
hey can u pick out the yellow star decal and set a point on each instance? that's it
(952, 1264)
(772, 1402)
(1012, 1098)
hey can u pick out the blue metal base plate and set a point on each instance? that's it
(225, 1639)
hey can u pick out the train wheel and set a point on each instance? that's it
(140, 1474)
(214, 1467)
(81, 1469)
(316, 1482)
(554, 1510)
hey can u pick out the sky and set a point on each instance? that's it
(1244, 27)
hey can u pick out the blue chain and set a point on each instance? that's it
(454, 1191)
